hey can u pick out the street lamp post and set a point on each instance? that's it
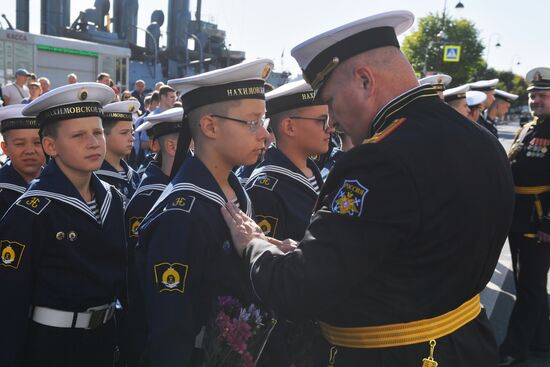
(442, 36)
(515, 61)
(156, 50)
(201, 58)
(489, 46)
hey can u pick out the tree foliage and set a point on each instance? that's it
(424, 47)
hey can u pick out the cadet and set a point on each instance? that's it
(501, 105)
(394, 259)
(62, 242)
(488, 87)
(162, 129)
(529, 326)
(284, 189)
(475, 100)
(456, 98)
(285, 186)
(185, 259)
(21, 144)
(117, 124)
(438, 81)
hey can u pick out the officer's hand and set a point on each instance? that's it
(285, 246)
(543, 237)
(243, 229)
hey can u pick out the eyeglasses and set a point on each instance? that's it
(252, 125)
(325, 120)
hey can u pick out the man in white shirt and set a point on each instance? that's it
(15, 92)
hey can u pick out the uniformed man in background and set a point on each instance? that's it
(488, 87)
(475, 100)
(529, 326)
(438, 81)
(399, 249)
(456, 98)
(501, 105)
(21, 143)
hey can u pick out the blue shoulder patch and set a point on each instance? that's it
(35, 204)
(349, 200)
(266, 182)
(183, 203)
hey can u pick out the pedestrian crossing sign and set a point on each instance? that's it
(451, 53)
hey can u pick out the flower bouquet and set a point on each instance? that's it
(237, 335)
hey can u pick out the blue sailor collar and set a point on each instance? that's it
(399, 106)
(152, 179)
(193, 176)
(276, 162)
(108, 170)
(10, 179)
(53, 184)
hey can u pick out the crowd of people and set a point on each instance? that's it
(353, 217)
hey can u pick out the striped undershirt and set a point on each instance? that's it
(124, 175)
(313, 182)
(93, 207)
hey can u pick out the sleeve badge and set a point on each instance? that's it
(183, 203)
(171, 276)
(11, 253)
(267, 224)
(34, 203)
(266, 182)
(349, 199)
(133, 226)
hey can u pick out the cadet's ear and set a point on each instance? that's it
(155, 145)
(170, 146)
(287, 127)
(208, 126)
(48, 144)
(4, 147)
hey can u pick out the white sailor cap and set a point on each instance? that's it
(438, 81)
(70, 101)
(538, 79)
(242, 81)
(475, 98)
(319, 55)
(484, 85)
(453, 94)
(167, 122)
(120, 111)
(12, 118)
(508, 97)
(292, 95)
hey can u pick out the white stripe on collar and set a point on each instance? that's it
(141, 189)
(185, 186)
(280, 170)
(74, 202)
(5, 185)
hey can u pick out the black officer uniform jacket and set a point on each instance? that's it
(530, 161)
(62, 257)
(185, 260)
(486, 123)
(282, 197)
(409, 226)
(110, 175)
(12, 185)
